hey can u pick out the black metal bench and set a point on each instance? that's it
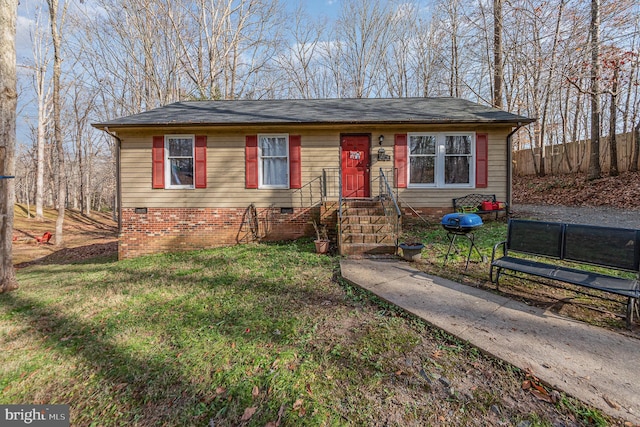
(472, 203)
(613, 248)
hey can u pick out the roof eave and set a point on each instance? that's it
(513, 122)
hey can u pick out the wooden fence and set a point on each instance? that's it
(573, 157)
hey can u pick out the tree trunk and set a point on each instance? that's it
(636, 149)
(565, 114)
(613, 144)
(40, 143)
(57, 130)
(8, 104)
(498, 73)
(81, 191)
(594, 171)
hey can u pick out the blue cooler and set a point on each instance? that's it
(461, 222)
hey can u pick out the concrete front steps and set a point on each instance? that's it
(364, 229)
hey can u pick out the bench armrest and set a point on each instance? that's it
(495, 248)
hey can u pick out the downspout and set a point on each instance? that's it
(509, 167)
(118, 189)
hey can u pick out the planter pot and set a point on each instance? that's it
(411, 252)
(322, 246)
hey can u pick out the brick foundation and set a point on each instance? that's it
(181, 229)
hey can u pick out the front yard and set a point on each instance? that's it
(261, 334)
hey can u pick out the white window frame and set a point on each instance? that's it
(439, 177)
(167, 161)
(261, 184)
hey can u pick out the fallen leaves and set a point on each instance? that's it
(298, 406)
(277, 422)
(611, 402)
(532, 384)
(574, 190)
(248, 413)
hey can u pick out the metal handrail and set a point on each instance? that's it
(386, 192)
(330, 176)
(339, 203)
(340, 211)
(385, 189)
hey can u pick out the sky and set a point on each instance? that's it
(319, 7)
(27, 11)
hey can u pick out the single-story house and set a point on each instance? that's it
(203, 174)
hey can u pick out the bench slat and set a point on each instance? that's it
(606, 246)
(535, 237)
(603, 282)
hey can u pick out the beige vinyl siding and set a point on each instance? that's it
(226, 175)
(320, 148)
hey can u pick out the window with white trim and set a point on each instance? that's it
(443, 159)
(273, 161)
(179, 162)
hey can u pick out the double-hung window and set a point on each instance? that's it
(273, 164)
(443, 159)
(179, 161)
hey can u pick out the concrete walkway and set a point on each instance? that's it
(597, 366)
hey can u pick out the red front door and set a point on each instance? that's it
(355, 166)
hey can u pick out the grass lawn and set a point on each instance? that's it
(260, 335)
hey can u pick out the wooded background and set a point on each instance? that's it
(108, 58)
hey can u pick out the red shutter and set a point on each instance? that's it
(295, 166)
(200, 155)
(157, 158)
(251, 161)
(400, 159)
(482, 160)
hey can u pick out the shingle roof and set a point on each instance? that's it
(318, 111)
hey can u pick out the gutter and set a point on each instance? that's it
(509, 166)
(118, 189)
(174, 124)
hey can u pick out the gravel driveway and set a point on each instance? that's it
(605, 216)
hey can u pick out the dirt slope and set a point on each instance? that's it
(84, 237)
(621, 192)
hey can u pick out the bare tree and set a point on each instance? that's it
(426, 61)
(398, 67)
(498, 72)
(551, 64)
(82, 104)
(364, 27)
(56, 24)
(8, 104)
(453, 11)
(636, 146)
(613, 114)
(300, 61)
(594, 171)
(43, 93)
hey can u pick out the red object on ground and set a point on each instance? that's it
(45, 238)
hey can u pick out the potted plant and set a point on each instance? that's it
(322, 239)
(411, 251)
